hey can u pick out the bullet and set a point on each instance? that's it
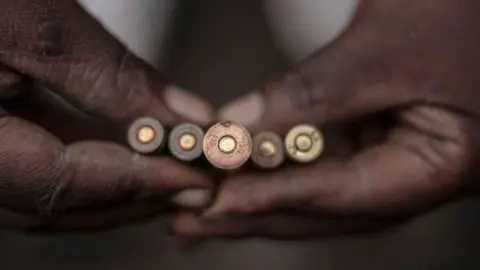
(146, 135)
(304, 143)
(227, 145)
(267, 150)
(185, 142)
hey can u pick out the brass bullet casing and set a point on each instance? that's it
(304, 143)
(227, 145)
(267, 150)
(185, 142)
(146, 135)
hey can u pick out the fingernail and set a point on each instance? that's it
(246, 111)
(192, 198)
(188, 105)
(214, 212)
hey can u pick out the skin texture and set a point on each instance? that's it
(58, 171)
(398, 98)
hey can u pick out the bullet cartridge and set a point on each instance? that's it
(268, 151)
(227, 145)
(304, 143)
(185, 142)
(146, 135)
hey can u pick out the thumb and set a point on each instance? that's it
(353, 76)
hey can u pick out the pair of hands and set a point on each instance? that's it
(395, 96)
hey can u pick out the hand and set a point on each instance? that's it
(61, 183)
(405, 75)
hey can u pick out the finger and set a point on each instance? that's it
(42, 177)
(355, 75)
(399, 181)
(66, 124)
(420, 165)
(15, 221)
(85, 65)
(275, 226)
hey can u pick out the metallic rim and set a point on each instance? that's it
(227, 161)
(268, 162)
(177, 151)
(145, 148)
(309, 155)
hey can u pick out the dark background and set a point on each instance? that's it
(222, 49)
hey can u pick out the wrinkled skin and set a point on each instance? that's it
(395, 94)
(403, 83)
(58, 171)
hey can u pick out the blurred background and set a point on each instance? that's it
(220, 50)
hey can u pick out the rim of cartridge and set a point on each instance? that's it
(175, 148)
(154, 140)
(306, 155)
(237, 140)
(268, 160)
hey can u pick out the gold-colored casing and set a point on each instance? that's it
(304, 143)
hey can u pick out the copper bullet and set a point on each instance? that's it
(146, 135)
(227, 145)
(304, 143)
(185, 142)
(267, 150)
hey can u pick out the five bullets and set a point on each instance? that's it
(227, 145)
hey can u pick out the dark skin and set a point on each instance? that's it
(68, 171)
(403, 77)
(402, 83)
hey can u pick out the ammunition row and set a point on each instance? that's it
(226, 145)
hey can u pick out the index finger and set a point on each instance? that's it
(372, 66)
(69, 52)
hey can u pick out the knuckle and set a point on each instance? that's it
(32, 168)
(117, 87)
(41, 32)
(314, 84)
(53, 38)
(298, 88)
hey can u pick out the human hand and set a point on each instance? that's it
(77, 182)
(405, 75)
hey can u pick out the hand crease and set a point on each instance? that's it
(431, 132)
(65, 179)
(92, 92)
(416, 152)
